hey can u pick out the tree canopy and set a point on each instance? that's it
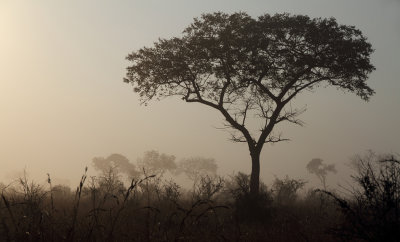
(245, 67)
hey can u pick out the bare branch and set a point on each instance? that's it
(291, 116)
(275, 139)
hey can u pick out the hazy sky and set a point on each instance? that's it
(63, 102)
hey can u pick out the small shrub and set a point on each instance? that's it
(372, 213)
(285, 190)
(247, 206)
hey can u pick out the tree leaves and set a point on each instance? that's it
(250, 68)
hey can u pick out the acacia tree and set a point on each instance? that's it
(250, 68)
(316, 166)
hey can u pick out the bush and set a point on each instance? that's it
(373, 211)
(247, 206)
(285, 190)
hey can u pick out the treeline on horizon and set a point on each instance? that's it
(143, 202)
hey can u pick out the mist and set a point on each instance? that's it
(67, 113)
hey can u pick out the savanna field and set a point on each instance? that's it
(152, 207)
(283, 113)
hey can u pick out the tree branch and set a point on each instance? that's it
(302, 88)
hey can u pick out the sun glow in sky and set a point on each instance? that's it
(63, 102)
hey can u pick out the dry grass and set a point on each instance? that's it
(153, 209)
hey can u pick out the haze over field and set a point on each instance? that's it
(63, 101)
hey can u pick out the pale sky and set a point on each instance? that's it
(63, 101)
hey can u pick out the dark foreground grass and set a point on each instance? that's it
(150, 209)
(216, 209)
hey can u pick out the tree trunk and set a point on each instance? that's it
(255, 173)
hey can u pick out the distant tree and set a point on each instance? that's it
(116, 163)
(197, 167)
(61, 191)
(249, 68)
(316, 166)
(155, 163)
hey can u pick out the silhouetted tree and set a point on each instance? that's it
(253, 68)
(316, 166)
